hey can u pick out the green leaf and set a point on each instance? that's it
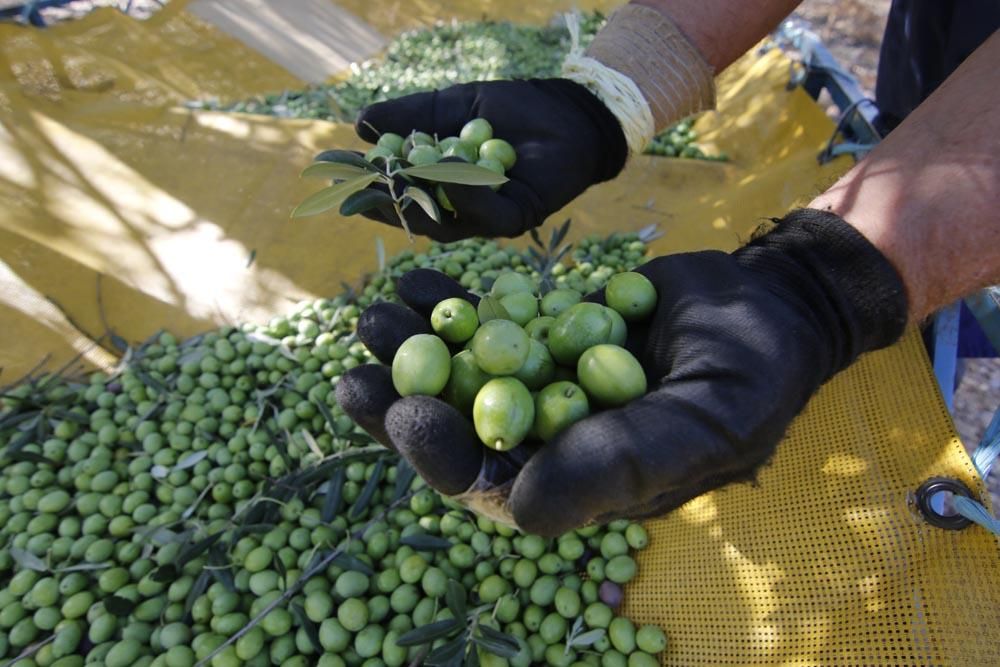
(332, 196)
(164, 574)
(333, 170)
(558, 235)
(588, 638)
(424, 201)
(428, 633)
(490, 308)
(500, 637)
(191, 460)
(349, 562)
(365, 497)
(364, 200)
(462, 173)
(423, 542)
(198, 548)
(334, 495)
(345, 157)
(30, 457)
(454, 597)
(28, 560)
(447, 655)
(84, 567)
(497, 648)
(199, 587)
(404, 477)
(536, 238)
(224, 577)
(312, 633)
(119, 606)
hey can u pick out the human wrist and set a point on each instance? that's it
(646, 72)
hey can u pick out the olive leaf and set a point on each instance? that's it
(501, 643)
(194, 550)
(498, 648)
(334, 495)
(119, 606)
(163, 574)
(364, 200)
(365, 497)
(454, 597)
(462, 173)
(428, 633)
(349, 562)
(29, 457)
(332, 196)
(312, 633)
(490, 308)
(585, 639)
(423, 542)
(345, 157)
(424, 201)
(327, 416)
(448, 654)
(28, 560)
(191, 460)
(404, 477)
(333, 171)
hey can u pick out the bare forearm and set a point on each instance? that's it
(723, 30)
(929, 195)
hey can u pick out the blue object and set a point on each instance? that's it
(30, 12)
(981, 324)
(945, 355)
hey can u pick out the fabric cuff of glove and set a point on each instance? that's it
(856, 295)
(645, 70)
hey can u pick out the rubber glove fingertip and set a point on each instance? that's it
(383, 327)
(437, 440)
(366, 393)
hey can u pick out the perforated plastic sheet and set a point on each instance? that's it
(825, 560)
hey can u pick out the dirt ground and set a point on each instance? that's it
(852, 30)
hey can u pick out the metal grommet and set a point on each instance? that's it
(934, 486)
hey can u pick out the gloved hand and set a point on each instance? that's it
(566, 140)
(736, 347)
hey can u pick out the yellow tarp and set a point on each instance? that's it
(825, 561)
(120, 210)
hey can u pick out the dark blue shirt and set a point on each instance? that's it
(925, 40)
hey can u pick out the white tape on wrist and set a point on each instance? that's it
(618, 92)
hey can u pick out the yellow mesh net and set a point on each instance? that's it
(825, 560)
(120, 210)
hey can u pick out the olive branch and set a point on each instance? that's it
(351, 176)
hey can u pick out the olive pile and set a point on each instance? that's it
(681, 141)
(530, 366)
(210, 497)
(448, 53)
(430, 59)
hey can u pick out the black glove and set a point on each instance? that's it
(736, 347)
(566, 140)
